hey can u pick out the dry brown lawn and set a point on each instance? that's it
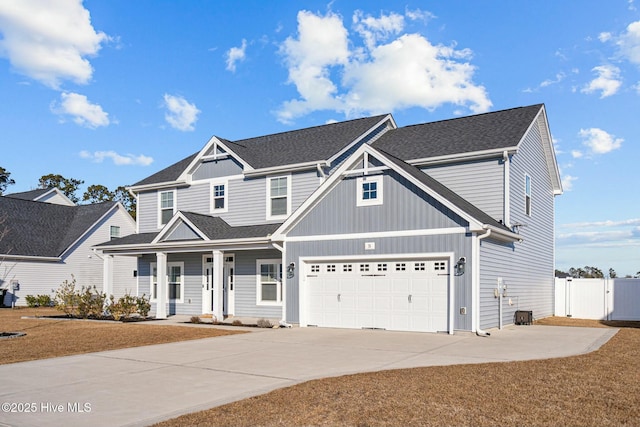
(62, 337)
(601, 388)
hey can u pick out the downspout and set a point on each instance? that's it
(476, 282)
(507, 191)
(323, 175)
(283, 281)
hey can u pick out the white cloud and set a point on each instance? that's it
(604, 37)
(49, 40)
(629, 43)
(180, 114)
(236, 54)
(83, 112)
(373, 30)
(608, 81)
(118, 159)
(576, 154)
(419, 15)
(607, 223)
(599, 141)
(559, 77)
(330, 72)
(567, 182)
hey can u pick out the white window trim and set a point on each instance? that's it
(268, 192)
(111, 234)
(175, 204)
(169, 265)
(378, 179)
(212, 208)
(529, 195)
(278, 302)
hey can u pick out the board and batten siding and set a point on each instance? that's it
(458, 244)
(478, 182)
(405, 207)
(43, 278)
(217, 169)
(527, 267)
(245, 285)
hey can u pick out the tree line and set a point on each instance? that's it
(588, 272)
(70, 186)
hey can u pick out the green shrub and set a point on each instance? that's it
(44, 300)
(144, 306)
(67, 298)
(123, 308)
(91, 302)
(31, 301)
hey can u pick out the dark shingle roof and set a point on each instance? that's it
(132, 239)
(445, 192)
(29, 195)
(215, 228)
(286, 148)
(45, 229)
(489, 131)
(170, 173)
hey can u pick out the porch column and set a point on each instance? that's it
(161, 302)
(107, 274)
(218, 284)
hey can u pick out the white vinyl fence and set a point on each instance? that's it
(601, 299)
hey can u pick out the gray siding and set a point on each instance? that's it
(38, 278)
(182, 232)
(479, 182)
(245, 283)
(527, 268)
(459, 244)
(303, 184)
(147, 212)
(405, 207)
(195, 198)
(217, 169)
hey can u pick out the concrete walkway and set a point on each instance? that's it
(139, 386)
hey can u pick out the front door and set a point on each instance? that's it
(207, 284)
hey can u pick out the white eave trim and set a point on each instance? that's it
(388, 118)
(183, 245)
(157, 186)
(169, 227)
(475, 155)
(285, 168)
(185, 176)
(30, 258)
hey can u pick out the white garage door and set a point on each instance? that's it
(402, 295)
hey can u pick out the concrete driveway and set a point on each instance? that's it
(139, 386)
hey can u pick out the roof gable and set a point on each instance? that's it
(477, 218)
(309, 145)
(46, 195)
(37, 229)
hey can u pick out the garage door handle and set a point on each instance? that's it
(338, 297)
(409, 298)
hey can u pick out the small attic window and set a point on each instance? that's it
(369, 190)
(114, 232)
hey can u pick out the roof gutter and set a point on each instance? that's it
(30, 258)
(157, 186)
(476, 155)
(285, 168)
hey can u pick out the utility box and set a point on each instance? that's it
(522, 317)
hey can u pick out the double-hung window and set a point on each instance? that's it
(167, 206)
(175, 281)
(114, 232)
(219, 193)
(278, 197)
(369, 190)
(527, 195)
(269, 282)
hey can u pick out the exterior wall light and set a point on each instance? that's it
(460, 266)
(291, 268)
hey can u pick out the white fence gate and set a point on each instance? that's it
(601, 299)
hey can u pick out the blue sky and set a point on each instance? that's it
(112, 91)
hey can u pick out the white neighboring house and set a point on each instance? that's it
(46, 239)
